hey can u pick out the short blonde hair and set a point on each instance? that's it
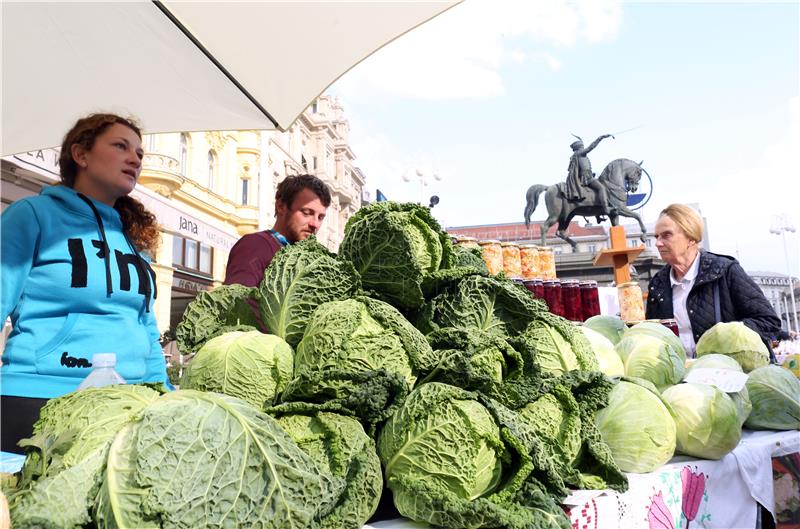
(687, 219)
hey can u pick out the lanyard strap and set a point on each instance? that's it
(281, 239)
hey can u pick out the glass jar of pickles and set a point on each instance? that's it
(529, 261)
(492, 255)
(467, 242)
(571, 298)
(511, 261)
(631, 303)
(547, 263)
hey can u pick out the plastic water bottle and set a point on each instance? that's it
(103, 372)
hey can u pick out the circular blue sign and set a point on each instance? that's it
(643, 193)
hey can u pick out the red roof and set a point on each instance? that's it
(518, 231)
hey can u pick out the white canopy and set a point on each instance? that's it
(183, 66)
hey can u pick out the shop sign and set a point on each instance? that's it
(188, 284)
(41, 160)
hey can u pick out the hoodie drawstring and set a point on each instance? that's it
(107, 257)
(106, 249)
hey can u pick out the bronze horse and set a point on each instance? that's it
(619, 177)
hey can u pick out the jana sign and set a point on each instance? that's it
(643, 193)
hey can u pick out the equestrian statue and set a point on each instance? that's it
(584, 195)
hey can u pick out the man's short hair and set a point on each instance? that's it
(292, 185)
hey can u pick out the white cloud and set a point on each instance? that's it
(741, 207)
(460, 53)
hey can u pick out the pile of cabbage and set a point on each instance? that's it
(398, 370)
(654, 412)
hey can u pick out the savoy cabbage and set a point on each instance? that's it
(301, 277)
(196, 459)
(341, 447)
(252, 366)
(358, 344)
(394, 247)
(455, 460)
(215, 312)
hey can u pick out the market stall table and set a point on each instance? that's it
(720, 494)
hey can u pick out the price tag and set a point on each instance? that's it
(726, 380)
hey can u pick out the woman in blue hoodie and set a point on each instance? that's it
(74, 278)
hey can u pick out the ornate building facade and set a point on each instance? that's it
(209, 188)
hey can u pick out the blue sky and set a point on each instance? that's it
(487, 94)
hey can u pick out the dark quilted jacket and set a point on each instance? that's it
(740, 298)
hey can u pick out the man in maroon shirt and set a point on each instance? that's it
(300, 205)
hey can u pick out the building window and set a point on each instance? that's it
(245, 185)
(151, 143)
(184, 154)
(177, 250)
(192, 256)
(212, 162)
(558, 250)
(205, 259)
(648, 243)
(303, 162)
(592, 248)
(314, 163)
(314, 107)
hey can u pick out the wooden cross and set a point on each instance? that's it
(619, 256)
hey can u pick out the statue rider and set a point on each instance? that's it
(580, 175)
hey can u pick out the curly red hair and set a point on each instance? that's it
(139, 224)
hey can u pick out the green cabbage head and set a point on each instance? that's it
(395, 247)
(453, 442)
(252, 366)
(736, 340)
(560, 346)
(706, 418)
(656, 330)
(609, 326)
(714, 361)
(775, 395)
(638, 426)
(452, 460)
(740, 398)
(652, 358)
(608, 360)
(199, 459)
(349, 341)
(341, 447)
(301, 277)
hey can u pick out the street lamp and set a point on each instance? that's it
(780, 225)
(425, 178)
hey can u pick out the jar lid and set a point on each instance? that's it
(508, 243)
(489, 241)
(628, 284)
(589, 283)
(570, 282)
(545, 249)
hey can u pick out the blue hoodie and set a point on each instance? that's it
(68, 299)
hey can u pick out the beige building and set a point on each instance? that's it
(209, 188)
